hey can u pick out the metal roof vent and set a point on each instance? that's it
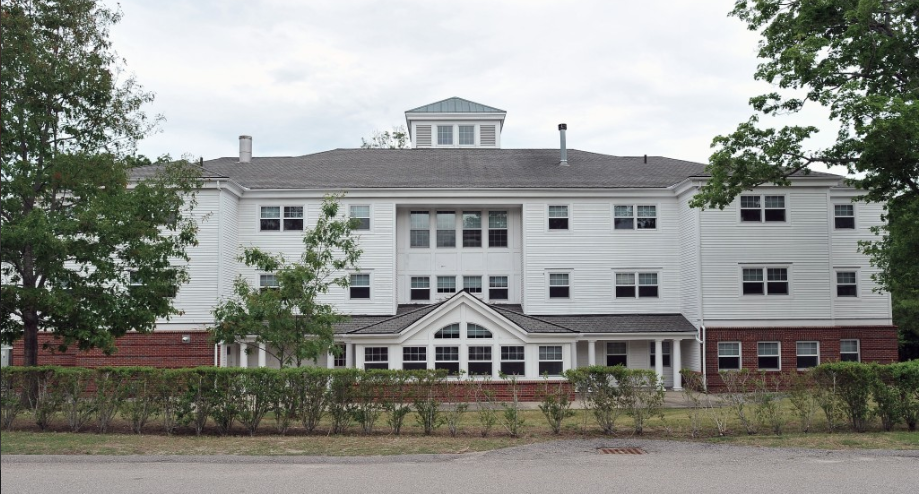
(564, 148)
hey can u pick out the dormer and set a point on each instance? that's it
(455, 123)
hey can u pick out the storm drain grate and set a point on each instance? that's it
(620, 451)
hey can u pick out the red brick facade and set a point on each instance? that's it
(877, 344)
(158, 349)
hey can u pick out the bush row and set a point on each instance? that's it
(225, 397)
(850, 392)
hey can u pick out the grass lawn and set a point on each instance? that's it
(25, 438)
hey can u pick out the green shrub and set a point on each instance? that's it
(12, 401)
(316, 389)
(174, 398)
(905, 376)
(73, 384)
(341, 398)
(198, 400)
(369, 392)
(428, 385)
(803, 397)
(767, 404)
(740, 385)
(41, 394)
(642, 395)
(886, 397)
(285, 398)
(226, 397)
(513, 421)
(555, 403)
(485, 405)
(142, 399)
(256, 388)
(599, 389)
(397, 399)
(853, 383)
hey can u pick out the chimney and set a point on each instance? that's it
(564, 148)
(245, 149)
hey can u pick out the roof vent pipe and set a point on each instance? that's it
(646, 159)
(564, 148)
(245, 149)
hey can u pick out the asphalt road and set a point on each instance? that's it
(566, 466)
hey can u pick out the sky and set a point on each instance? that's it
(629, 78)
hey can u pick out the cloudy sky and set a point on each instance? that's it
(629, 78)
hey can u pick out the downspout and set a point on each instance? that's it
(219, 262)
(702, 331)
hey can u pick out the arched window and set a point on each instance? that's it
(448, 332)
(476, 331)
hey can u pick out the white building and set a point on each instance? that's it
(538, 260)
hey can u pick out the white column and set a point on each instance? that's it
(222, 358)
(464, 358)
(349, 355)
(262, 357)
(495, 360)
(591, 352)
(243, 357)
(330, 360)
(574, 355)
(659, 358)
(430, 356)
(676, 363)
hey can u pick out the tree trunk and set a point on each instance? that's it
(30, 341)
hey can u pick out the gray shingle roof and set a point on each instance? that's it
(587, 323)
(455, 105)
(454, 168)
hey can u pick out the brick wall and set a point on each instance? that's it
(877, 344)
(158, 349)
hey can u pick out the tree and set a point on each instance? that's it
(397, 139)
(895, 254)
(289, 320)
(86, 253)
(859, 59)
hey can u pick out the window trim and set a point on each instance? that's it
(263, 287)
(636, 284)
(609, 345)
(858, 350)
(506, 287)
(739, 355)
(490, 361)
(854, 217)
(778, 356)
(549, 218)
(369, 216)
(377, 364)
(463, 230)
(452, 142)
(415, 364)
(369, 286)
(560, 360)
(456, 347)
(341, 360)
(798, 354)
(522, 360)
(762, 209)
(506, 229)
(549, 285)
(481, 288)
(412, 229)
(764, 271)
(837, 285)
(438, 229)
(446, 290)
(634, 217)
(459, 133)
(411, 289)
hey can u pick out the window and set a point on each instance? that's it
(550, 360)
(446, 229)
(414, 358)
(421, 288)
(467, 135)
(762, 208)
(476, 331)
(497, 287)
(512, 360)
(341, 357)
(376, 357)
(846, 284)
(270, 218)
(768, 355)
(472, 284)
(360, 215)
(625, 219)
(765, 281)
(136, 284)
(497, 228)
(472, 228)
(293, 217)
(444, 135)
(844, 216)
(558, 217)
(558, 285)
(420, 223)
(617, 353)
(360, 286)
(729, 355)
(626, 288)
(480, 360)
(446, 284)
(447, 357)
(849, 351)
(665, 350)
(448, 332)
(808, 353)
(268, 282)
